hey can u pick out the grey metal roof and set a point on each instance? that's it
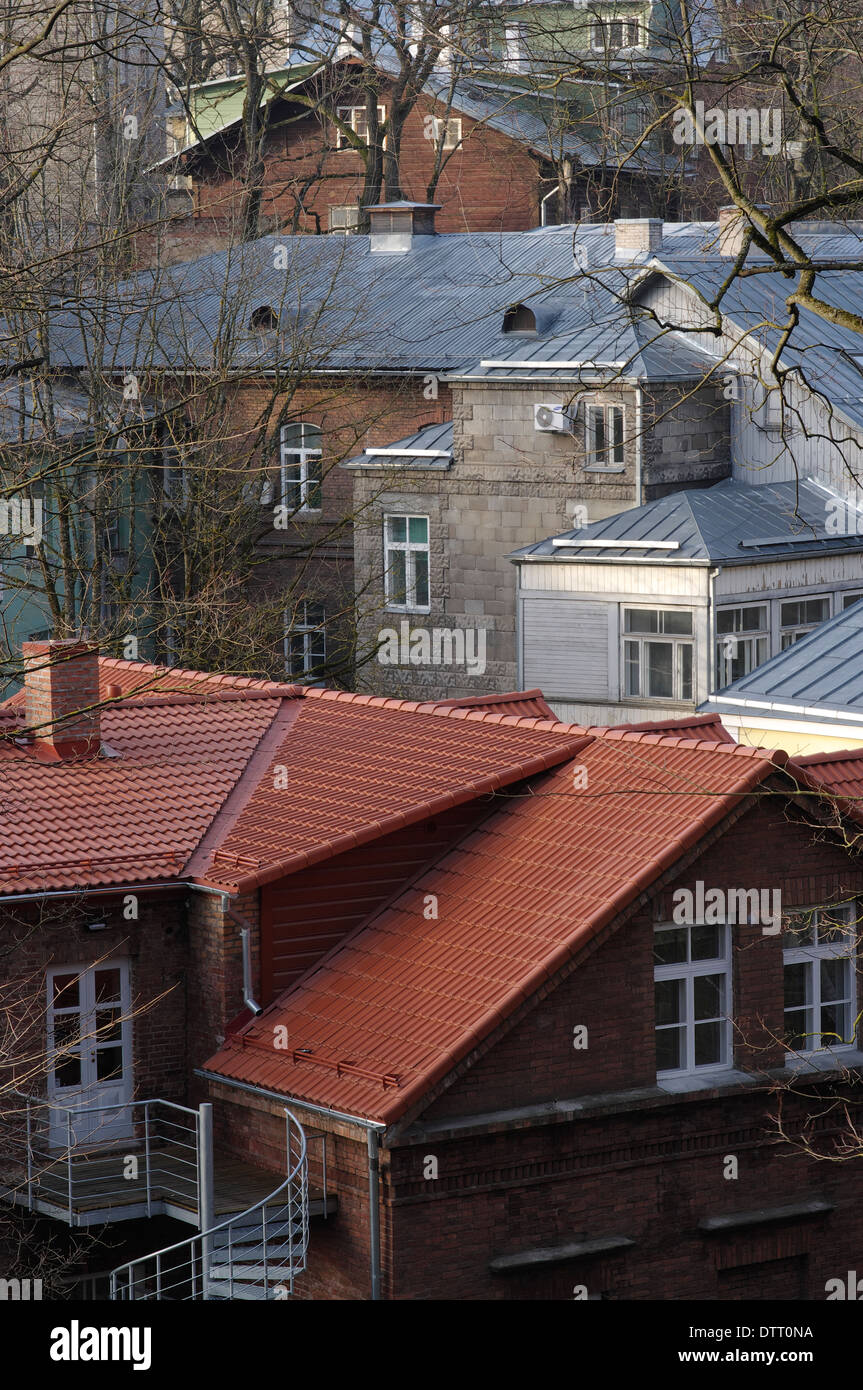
(817, 678)
(822, 352)
(340, 305)
(730, 523)
(33, 410)
(428, 448)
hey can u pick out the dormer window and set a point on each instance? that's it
(519, 318)
(264, 319)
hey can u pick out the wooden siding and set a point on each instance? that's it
(677, 583)
(306, 915)
(817, 443)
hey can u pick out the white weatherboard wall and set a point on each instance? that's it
(814, 444)
(787, 577)
(570, 621)
(566, 646)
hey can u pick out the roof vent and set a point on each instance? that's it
(634, 234)
(394, 226)
(264, 319)
(519, 318)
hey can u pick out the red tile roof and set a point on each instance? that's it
(839, 773)
(140, 680)
(389, 1012)
(514, 702)
(708, 727)
(187, 789)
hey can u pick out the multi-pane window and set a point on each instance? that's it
(692, 996)
(818, 957)
(771, 412)
(357, 118)
(446, 132)
(614, 33)
(301, 467)
(849, 599)
(604, 435)
(305, 641)
(799, 616)
(742, 641)
(657, 653)
(406, 561)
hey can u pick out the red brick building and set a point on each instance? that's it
(497, 968)
(498, 168)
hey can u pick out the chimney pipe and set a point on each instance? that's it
(61, 681)
(634, 234)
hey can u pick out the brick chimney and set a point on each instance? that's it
(61, 679)
(633, 234)
(732, 226)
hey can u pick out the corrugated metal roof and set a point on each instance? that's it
(340, 305)
(818, 678)
(730, 523)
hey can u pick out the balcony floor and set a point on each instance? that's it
(107, 1187)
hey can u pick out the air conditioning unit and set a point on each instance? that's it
(552, 419)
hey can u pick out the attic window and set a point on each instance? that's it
(519, 318)
(264, 319)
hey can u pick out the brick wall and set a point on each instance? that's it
(492, 183)
(156, 945)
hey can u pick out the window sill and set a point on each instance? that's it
(704, 1081)
(831, 1059)
(407, 612)
(599, 468)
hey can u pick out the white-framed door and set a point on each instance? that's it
(89, 1054)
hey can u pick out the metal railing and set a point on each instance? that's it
(78, 1163)
(253, 1254)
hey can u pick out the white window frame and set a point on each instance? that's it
(609, 457)
(600, 27)
(847, 598)
(688, 971)
(307, 630)
(452, 131)
(742, 637)
(771, 409)
(291, 456)
(811, 954)
(410, 549)
(798, 630)
(355, 116)
(677, 640)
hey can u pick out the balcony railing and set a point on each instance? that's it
(69, 1163)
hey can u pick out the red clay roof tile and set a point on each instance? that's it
(516, 899)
